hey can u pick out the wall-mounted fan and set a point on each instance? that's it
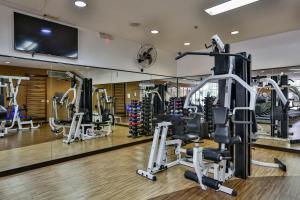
(146, 56)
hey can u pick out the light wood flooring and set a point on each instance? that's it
(44, 151)
(112, 176)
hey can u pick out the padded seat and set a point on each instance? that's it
(212, 154)
(187, 138)
(100, 123)
(225, 153)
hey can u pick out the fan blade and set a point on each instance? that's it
(149, 50)
(145, 54)
(150, 60)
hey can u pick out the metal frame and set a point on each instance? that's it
(12, 90)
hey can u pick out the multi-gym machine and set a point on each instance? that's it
(70, 128)
(233, 119)
(279, 109)
(78, 101)
(104, 118)
(11, 85)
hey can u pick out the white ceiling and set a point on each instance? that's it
(174, 18)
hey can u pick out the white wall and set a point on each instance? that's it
(280, 50)
(93, 51)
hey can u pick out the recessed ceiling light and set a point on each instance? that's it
(234, 32)
(80, 3)
(229, 5)
(7, 62)
(154, 32)
(187, 44)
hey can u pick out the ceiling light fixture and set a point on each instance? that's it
(187, 44)
(154, 32)
(294, 69)
(234, 32)
(7, 62)
(80, 3)
(229, 5)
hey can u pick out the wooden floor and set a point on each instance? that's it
(45, 151)
(27, 137)
(262, 188)
(112, 176)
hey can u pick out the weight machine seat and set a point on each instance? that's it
(187, 138)
(220, 115)
(191, 130)
(100, 123)
(222, 132)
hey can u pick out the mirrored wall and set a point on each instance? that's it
(51, 111)
(279, 127)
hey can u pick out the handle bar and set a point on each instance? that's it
(211, 54)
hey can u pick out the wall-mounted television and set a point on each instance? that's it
(34, 35)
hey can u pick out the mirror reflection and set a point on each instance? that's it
(51, 110)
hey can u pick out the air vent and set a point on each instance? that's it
(57, 74)
(106, 36)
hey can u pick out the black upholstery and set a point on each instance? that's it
(3, 112)
(220, 115)
(193, 126)
(191, 130)
(212, 154)
(222, 133)
(187, 138)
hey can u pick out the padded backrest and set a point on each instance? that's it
(3, 112)
(222, 133)
(193, 126)
(58, 96)
(220, 115)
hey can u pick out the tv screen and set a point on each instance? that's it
(35, 35)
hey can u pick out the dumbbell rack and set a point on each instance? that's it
(175, 106)
(135, 119)
(146, 115)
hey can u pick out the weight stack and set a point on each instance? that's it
(146, 115)
(135, 119)
(208, 114)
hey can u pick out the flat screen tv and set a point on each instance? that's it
(34, 35)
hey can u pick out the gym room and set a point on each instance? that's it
(138, 100)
